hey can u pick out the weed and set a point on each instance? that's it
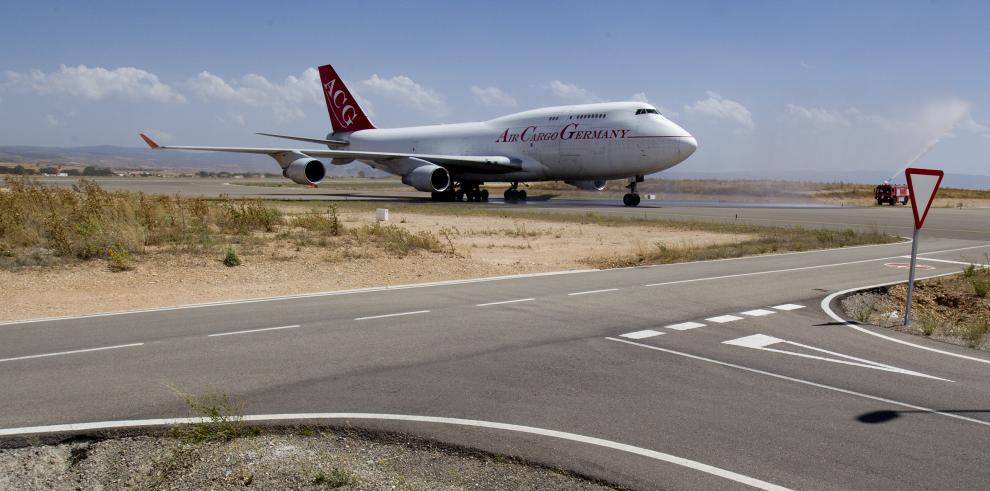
(328, 223)
(861, 306)
(981, 284)
(397, 240)
(928, 322)
(120, 259)
(231, 259)
(974, 331)
(221, 419)
(336, 478)
(78, 454)
(969, 270)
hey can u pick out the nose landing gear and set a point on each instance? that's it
(632, 198)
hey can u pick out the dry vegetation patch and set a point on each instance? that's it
(68, 251)
(954, 309)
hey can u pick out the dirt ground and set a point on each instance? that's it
(483, 246)
(310, 460)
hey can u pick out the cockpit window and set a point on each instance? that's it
(647, 111)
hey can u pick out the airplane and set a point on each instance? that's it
(583, 145)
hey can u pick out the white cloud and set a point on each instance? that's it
(286, 99)
(639, 97)
(94, 84)
(718, 107)
(52, 121)
(406, 91)
(493, 96)
(820, 118)
(571, 92)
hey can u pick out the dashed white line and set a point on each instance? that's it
(390, 315)
(722, 319)
(505, 302)
(647, 333)
(253, 330)
(788, 306)
(593, 291)
(758, 312)
(684, 326)
(70, 352)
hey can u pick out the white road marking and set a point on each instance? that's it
(391, 315)
(762, 342)
(532, 430)
(978, 265)
(648, 333)
(505, 302)
(788, 306)
(593, 291)
(253, 330)
(828, 310)
(722, 319)
(71, 352)
(800, 381)
(684, 326)
(722, 277)
(758, 312)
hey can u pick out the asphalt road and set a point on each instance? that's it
(713, 375)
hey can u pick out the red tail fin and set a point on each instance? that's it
(345, 114)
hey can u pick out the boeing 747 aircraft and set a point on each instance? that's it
(583, 145)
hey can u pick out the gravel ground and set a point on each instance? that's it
(304, 459)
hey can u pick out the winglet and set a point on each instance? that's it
(151, 143)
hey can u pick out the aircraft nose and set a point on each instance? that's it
(686, 145)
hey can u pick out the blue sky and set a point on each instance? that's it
(763, 85)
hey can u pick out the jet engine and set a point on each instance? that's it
(430, 178)
(305, 171)
(596, 185)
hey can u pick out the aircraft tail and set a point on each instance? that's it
(345, 114)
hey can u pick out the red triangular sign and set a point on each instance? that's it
(922, 184)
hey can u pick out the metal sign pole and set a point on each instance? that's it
(910, 291)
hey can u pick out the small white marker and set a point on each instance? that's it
(788, 306)
(593, 291)
(648, 333)
(505, 302)
(252, 330)
(684, 326)
(756, 341)
(390, 315)
(70, 352)
(722, 319)
(758, 312)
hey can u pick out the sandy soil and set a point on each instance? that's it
(484, 246)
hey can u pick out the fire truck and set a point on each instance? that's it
(891, 194)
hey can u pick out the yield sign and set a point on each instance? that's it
(922, 183)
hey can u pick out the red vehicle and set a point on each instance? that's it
(891, 194)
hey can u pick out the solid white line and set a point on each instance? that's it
(563, 435)
(391, 315)
(70, 352)
(593, 291)
(722, 319)
(646, 333)
(684, 326)
(758, 312)
(253, 330)
(739, 275)
(505, 302)
(805, 382)
(978, 265)
(788, 306)
(828, 310)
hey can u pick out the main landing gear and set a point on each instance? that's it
(632, 198)
(470, 191)
(513, 194)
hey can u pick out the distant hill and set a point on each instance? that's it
(144, 158)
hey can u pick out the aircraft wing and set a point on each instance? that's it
(494, 163)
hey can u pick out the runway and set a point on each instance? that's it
(732, 365)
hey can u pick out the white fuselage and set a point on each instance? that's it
(582, 142)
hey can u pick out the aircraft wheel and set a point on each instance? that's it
(484, 195)
(509, 195)
(630, 199)
(459, 195)
(522, 195)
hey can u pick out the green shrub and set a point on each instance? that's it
(974, 331)
(981, 284)
(336, 478)
(231, 259)
(120, 259)
(222, 419)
